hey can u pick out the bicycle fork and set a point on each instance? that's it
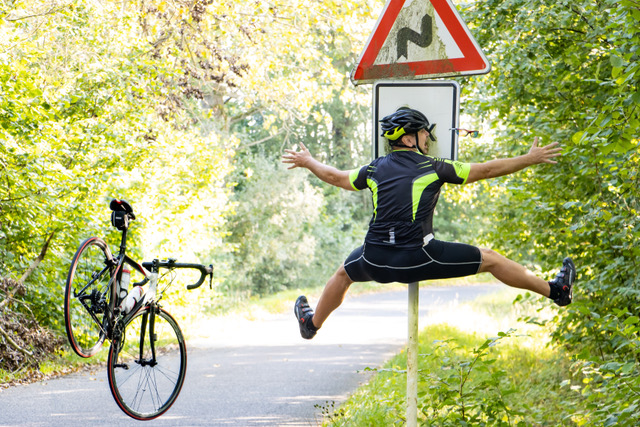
(149, 316)
(147, 330)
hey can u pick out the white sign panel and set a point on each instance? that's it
(438, 100)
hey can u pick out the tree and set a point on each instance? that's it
(124, 99)
(570, 71)
(85, 117)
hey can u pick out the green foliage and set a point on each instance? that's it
(283, 230)
(81, 121)
(141, 101)
(289, 229)
(570, 71)
(158, 103)
(276, 206)
(329, 411)
(467, 380)
(610, 367)
(469, 389)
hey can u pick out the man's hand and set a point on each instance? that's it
(544, 154)
(298, 159)
(329, 174)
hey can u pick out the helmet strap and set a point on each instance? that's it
(416, 145)
(400, 143)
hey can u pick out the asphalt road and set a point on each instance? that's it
(250, 373)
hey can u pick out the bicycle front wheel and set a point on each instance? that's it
(89, 297)
(147, 364)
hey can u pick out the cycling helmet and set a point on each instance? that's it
(405, 121)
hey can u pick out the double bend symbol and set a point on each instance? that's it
(422, 39)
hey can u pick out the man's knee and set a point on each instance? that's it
(490, 259)
(342, 277)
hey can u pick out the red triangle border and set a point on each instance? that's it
(472, 62)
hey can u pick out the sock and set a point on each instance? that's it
(555, 291)
(310, 324)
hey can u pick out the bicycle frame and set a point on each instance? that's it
(115, 264)
(84, 298)
(151, 276)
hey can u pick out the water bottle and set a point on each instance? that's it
(134, 296)
(125, 278)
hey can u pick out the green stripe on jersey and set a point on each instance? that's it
(462, 169)
(419, 184)
(374, 191)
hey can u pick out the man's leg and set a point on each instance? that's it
(560, 289)
(332, 296)
(511, 273)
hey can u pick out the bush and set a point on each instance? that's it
(23, 342)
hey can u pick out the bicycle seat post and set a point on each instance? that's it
(123, 242)
(121, 215)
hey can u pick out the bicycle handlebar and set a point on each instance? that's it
(171, 264)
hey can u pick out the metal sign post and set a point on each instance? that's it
(412, 356)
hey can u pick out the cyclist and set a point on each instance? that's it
(400, 245)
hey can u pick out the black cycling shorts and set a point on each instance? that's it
(436, 260)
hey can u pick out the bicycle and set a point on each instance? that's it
(147, 358)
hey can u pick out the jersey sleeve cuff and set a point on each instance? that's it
(353, 175)
(462, 170)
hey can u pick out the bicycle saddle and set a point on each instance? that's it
(122, 206)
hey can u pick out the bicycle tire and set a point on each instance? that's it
(89, 297)
(142, 390)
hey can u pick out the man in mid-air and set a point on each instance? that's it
(400, 245)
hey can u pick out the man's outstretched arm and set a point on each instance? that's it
(329, 174)
(501, 167)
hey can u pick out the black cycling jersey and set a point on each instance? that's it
(405, 186)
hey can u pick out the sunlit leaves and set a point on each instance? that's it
(84, 117)
(570, 71)
(148, 101)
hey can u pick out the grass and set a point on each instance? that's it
(478, 366)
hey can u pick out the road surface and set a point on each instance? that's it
(250, 373)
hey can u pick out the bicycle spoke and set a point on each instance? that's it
(151, 384)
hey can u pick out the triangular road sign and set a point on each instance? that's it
(418, 39)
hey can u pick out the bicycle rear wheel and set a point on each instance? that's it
(89, 297)
(143, 385)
